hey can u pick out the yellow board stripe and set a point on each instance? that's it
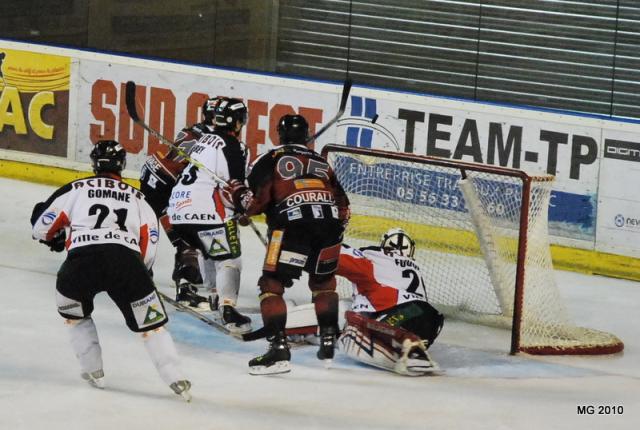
(466, 243)
(46, 174)
(369, 227)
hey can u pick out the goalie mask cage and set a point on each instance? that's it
(481, 236)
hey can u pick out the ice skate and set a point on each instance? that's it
(182, 388)
(187, 295)
(327, 345)
(276, 360)
(214, 302)
(233, 320)
(95, 379)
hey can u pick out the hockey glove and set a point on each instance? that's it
(239, 194)
(57, 243)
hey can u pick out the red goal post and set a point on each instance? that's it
(481, 237)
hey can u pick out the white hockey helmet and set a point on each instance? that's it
(396, 238)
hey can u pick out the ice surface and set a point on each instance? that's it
(482, 386)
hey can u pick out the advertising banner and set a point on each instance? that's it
(34, 102)
(618, 229)
(169, 101)
(567, 151)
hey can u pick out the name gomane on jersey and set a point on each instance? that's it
(382, 279)
(192, 200)
(100, 210)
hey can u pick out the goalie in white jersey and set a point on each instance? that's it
(390, 324)
(110, 233)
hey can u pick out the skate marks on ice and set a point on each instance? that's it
(455, 361)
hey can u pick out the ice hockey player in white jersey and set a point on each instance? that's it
(201, 214)
(158, 175)
(110, 233)
(390, 324)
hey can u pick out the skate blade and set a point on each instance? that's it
(202, 307)
(328, 363)
(274, 369)
(94, 382)
(186, 395)
(237, 330)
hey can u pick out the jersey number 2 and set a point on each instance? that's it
(416, 280)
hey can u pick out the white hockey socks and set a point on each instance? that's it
(163, 354)
(85, 344)
(228, 280)
(208, 272)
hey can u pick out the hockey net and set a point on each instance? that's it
(481, 237)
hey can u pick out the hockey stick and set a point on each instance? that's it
(215, 324)
(260, 333)
(346, 88)
(130, 98)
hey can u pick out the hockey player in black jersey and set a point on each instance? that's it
(111, 234)
(306, 210)
(158, 176)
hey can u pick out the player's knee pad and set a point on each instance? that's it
(270, 286)
(320, 284)
(147, 333)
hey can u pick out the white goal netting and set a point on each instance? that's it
(481, 239)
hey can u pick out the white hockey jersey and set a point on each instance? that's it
(196, 197)
(381, 279)
(100, 210)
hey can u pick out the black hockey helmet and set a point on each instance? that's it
(293, 130)
(228, 112)
(108, 156)
(397, 239)
(209, 109)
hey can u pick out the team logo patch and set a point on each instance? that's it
(148, 311)
(301, 184)
(293, 258)
(317, 211)
(48, 218)
(294, 214)
(154, 235)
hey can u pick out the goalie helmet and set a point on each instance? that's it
(108, 156)
(293, 130)
(397, 239)
(209, 109)
(229, 112)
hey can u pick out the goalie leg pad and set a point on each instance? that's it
(381, 345)
(418, 317)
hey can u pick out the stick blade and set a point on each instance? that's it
(130, 98)
(346, 89)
